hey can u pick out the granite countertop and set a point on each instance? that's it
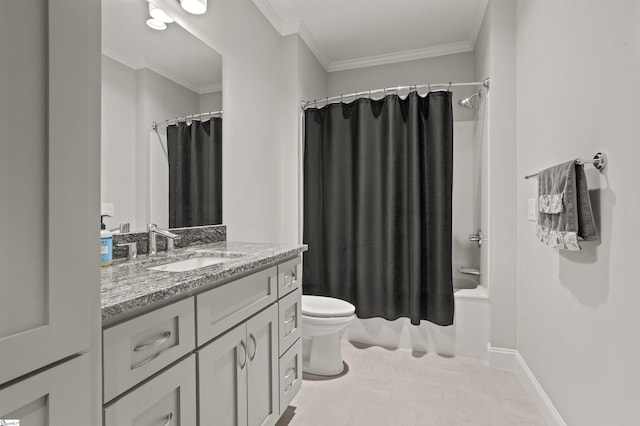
(128, 286)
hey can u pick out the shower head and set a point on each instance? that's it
(468, 103)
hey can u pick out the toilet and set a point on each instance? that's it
(324, 320)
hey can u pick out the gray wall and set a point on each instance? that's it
(442, 69)
(211, 102)
(578, 312)
(134, 167)
(495, 58)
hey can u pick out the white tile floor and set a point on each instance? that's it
(397, 387)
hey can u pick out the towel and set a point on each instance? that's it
(564, 207)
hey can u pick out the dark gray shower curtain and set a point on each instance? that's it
(378, 179)
(195, 173)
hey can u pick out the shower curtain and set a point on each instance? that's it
(195, 173)
(378, 181)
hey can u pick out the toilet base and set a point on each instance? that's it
(322, 355)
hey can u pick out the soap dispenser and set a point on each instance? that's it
(106, 244)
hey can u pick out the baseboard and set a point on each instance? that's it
(502, 358)
(511, 359)
(548, 411)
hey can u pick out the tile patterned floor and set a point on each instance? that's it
(385, 387)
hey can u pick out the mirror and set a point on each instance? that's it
(157, 76)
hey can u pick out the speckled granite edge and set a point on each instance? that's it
(191, 236)
(128, 286)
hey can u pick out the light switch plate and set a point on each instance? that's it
(107, 209)
(532, 209)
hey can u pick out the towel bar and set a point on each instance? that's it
(599, 162)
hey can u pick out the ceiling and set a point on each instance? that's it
(173, 53)
(347, 34)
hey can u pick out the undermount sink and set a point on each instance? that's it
(189, 264)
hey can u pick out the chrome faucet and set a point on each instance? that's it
(153, 231)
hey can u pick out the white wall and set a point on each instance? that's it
(134, 173)
(303, 78)
(495, 58)
(578, 316)
(159, 99)
(211, 102)
(253, 148)
(118, 124)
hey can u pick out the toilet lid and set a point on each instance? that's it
(326, 307)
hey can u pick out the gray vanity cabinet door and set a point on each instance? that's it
(168, 399)
(222, 380)
(49, 182)
(56, 396)
(262, 368)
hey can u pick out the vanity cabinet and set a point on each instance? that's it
(56, 396)
(241, 340)
(167, 399)
(138, 348)
(238, 374)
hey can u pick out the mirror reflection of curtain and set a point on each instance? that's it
(195, 173)
(378, 179)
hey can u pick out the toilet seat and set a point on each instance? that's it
(326, 307)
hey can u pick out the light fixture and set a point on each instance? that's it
(196, 7)
(159, 14)
(156, 24)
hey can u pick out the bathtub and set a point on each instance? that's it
(468, 336)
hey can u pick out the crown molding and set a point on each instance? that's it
(158, 69)
(307, 37)
(210, 88)
(298, 26)
(123, 59)
(271, 14)
(475, 30)
(407, 55)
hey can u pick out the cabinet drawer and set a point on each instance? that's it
(223, 307)
(290, 374)
(168, 399)
(289, 276)
(289, 319)
(136, 349)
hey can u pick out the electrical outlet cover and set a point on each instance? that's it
(532, 209)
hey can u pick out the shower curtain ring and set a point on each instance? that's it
(449, 88)
(429, 87)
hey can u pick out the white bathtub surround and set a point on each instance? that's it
(400, 387)
(468, 336)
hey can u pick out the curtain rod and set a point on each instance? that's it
(306, 104)
(155, 125)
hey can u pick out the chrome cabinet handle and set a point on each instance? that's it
(168, 419)
(244, 347)
(290, 372)
(159, 341)
(286, 323)
(146, 361)
(255, 346)
(291, 279)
